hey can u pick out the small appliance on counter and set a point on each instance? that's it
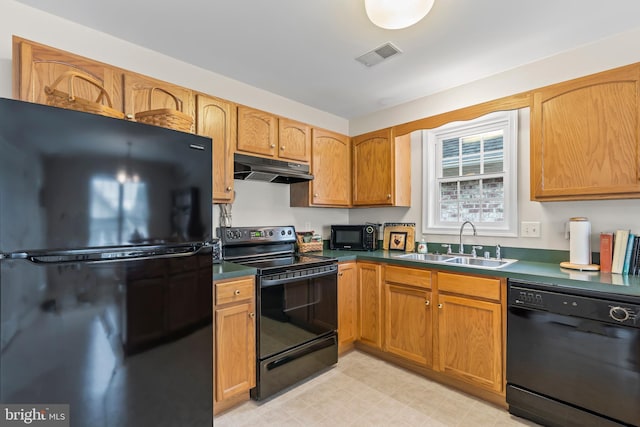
(354, 237)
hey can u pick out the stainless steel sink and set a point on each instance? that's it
(425, 257)
(481, 262)
(459, 259)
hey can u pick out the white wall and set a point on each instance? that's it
(265, 203)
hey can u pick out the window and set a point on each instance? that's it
(469, 173)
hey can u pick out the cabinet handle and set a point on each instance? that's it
(316, 195)
(229, 188)
(340, 274)
(252, 315)
(273, 145)
(439, 305)
(236, 292)
(282, 148)
(427, 302)
(388, 196)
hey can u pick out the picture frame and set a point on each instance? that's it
(398, 241)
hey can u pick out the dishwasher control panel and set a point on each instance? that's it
(585, 307)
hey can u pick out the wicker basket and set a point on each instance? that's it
(57, 98)
(307, 247)
(166, 117)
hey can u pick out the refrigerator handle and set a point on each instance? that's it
(109, 254)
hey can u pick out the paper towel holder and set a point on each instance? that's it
(575, 266)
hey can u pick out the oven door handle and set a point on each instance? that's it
(281, 281)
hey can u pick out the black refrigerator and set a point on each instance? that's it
(105, 270)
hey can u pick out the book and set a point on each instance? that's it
(619, 250)
(606, 251)
(633, 266)
(627, 254)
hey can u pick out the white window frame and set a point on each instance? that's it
(431, 166)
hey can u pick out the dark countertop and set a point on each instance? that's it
(229, 270)
(539, 272)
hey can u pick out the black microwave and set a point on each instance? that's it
(354, 237)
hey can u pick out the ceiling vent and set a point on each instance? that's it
(379, 54)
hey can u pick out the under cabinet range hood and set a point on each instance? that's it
(269, 170)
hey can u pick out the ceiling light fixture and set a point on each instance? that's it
(397, 14)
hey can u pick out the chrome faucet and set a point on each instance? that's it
(461, 247)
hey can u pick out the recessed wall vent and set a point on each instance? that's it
(379, 54)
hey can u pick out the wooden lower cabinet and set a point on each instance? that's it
(408, 331)
(470, 330)
(347, 306)
(370, 304)
(447, 326)
(234, 351)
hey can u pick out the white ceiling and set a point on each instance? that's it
(304, 50)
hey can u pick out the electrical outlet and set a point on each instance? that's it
(530, 229)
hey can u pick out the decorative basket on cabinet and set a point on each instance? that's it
(166, 117)
(58, 98)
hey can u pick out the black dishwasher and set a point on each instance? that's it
(573, 357)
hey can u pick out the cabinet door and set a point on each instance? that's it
(235, 356)
(216, 118)
(470, 340)
(294, 140)
(257, 132)
(585, 137)
(40, 66)
(347, 305)
(408, 325)
(373, 169)
(331, 169)
(370, 304)
(143, 93)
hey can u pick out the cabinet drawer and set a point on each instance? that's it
(469, 285)
(408, 276)
(234, 290)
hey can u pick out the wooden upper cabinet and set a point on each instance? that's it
(294, 140)
(331, 169)
(381, 169)
(216, 118)
(257, 132)
(585, 137)
(37, 66)
(267, 135)
(143, 93)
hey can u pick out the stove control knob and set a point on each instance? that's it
(619, 313)
(289, 232)
(282, 232)
(270, 233)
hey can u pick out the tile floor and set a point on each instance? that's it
(364, 391)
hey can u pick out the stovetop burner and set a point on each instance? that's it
(296, 261)
(268, 249)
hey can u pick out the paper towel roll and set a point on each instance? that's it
(580, 241)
